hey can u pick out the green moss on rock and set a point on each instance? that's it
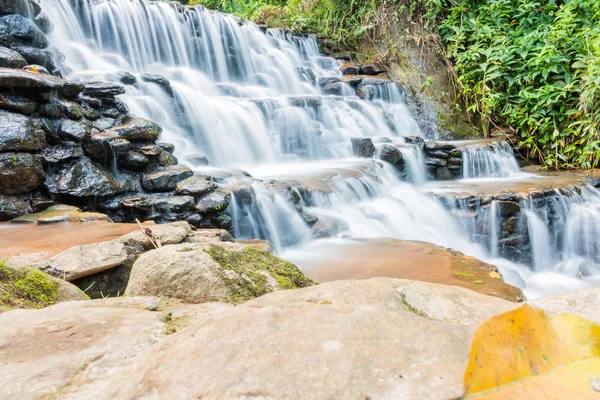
(26, 288)
(252, 268)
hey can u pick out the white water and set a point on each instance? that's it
(239, 98)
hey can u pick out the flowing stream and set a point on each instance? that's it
(252, 100)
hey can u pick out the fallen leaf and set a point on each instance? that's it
(478, 282)
(524, 354)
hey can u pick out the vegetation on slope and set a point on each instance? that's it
(526, 67)
(26, 288)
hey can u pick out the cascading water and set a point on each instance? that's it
(255, 100)
(495, 160)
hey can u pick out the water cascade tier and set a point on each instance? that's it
(304, 153)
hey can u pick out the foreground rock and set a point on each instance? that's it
(396, 339)
(61, 213)
(207, 272)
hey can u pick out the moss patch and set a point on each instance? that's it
(251, 267)
(61, 213)
(26, 288)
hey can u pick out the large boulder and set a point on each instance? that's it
(195, 186)
(18, 29)
(203, 272)
(80, 261)
(10, 58)
(16, 79)
(20, 172)
(20, 133)
(83, 178)
(138, 129)
(35, 56)
(12, 206)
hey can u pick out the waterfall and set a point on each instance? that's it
(268, 102)
(494, 160)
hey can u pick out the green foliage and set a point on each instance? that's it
(534, 66)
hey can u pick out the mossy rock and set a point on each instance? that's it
(61, 213)
(212, 272)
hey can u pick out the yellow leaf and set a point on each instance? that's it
(524, 343)
(495, 275)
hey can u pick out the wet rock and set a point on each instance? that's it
(13, 206)
(26, 8)
(327, 227)
(11, 59)
(243, 194)
(74, 130)
(326, 80)
(134, 161)
(18, 104)
(215, 201)
(160, 207)
(20, 133)
(363, 147)
(366, 92)
(437, 153)
(103, 90)
(61, 152)
(349, 69)
(150, 150)
(103, 124)
(126, 78)
(306, 101)
(195, 186)
(138, 129)
(416, 140)
(435, 162)
(111, 113)
(60, 213)
(16, 79)
(20, 172)
(455, 160)
(335, 88)
(307, 75)
(165, 179)
(106, 146)
(205, 272)
(389, 153)
(445, 174)
(507, 209)
(353, 80)
(166, 159)
(371, 69)
(83, 178)
(168, 147)
(156, 78)
(18, 29)
(35, 56)
(196, 159)
(43, 22)
(80, 261)
(93, 102)
(89, 113)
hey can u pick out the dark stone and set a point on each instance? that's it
(437, 153)
(166, 179)
(195, 186)
(416, 140)
(11, 79)
(44, 23)
(455, 160)
(26, 8)
(93, 102)
(366, 92)
(112, 282)
(150, 150)
(20, 133)
(11, 59)
(213, 202)
(138, 129)
(166, 159)
(444, 174)
(106, 146)
(102, 90)
(35, 56)
(16, 28)
(89, 113)
(435, 162)
(243, 194)
(389, 154)
(308, 218)
(111, 113)
(14, 206)
(74, 130)
(156, 78)
(103, 124)
(326, 80)
(134, 161)
(61, 152)
(18, 104)
(160, 207)
(363, 147)
(126, 78)
(306, 101)
(507, 209)
(343, 57)
(349, 69)
(20, 172)
(307, 75)
(352, 80)
(370, 69)
(72, 89)
(168, 147)
(83, 178)
(335, 88)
